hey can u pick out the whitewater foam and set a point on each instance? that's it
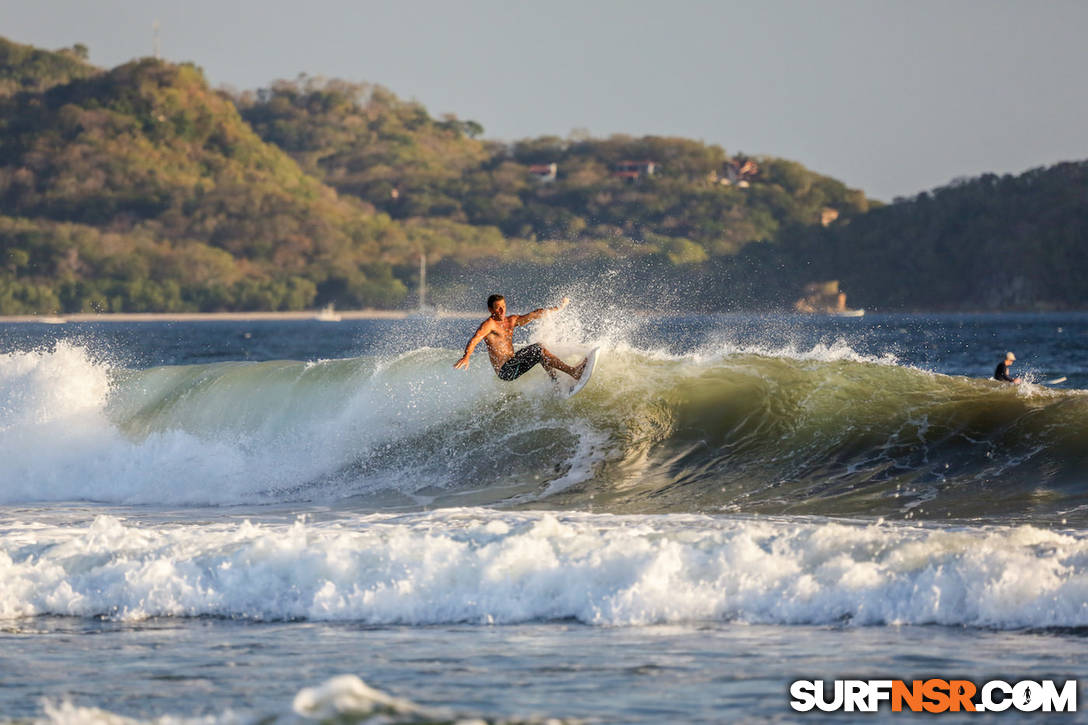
(478, 566)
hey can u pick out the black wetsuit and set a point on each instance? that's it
(1002, 373)
(522, 362)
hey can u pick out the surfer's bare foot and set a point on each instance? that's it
(581, 368)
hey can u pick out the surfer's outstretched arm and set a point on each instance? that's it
(481, 333)
(538, 313)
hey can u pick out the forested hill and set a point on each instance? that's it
(142, 189)
(26, 68)
(988, 243)
(693, 203)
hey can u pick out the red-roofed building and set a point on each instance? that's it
(544, 173)
(634, 170)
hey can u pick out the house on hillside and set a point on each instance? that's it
(739, 172)
(634, 170)
(544, 173)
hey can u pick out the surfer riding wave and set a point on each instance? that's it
(497, 331)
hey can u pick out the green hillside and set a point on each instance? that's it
(142, 189)
(988, 243)
(366, 142)
(26, 68)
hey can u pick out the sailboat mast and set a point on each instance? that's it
(422, 280)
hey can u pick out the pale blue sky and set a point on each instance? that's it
(891, 97)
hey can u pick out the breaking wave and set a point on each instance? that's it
(480, 566)
(822, 431)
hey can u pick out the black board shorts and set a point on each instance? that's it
(522, 362)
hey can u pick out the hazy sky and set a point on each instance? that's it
(891, 97)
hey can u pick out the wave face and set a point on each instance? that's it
(738, 430)
(479, 566)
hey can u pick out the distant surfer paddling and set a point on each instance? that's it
(1002, 371)
(498, 332)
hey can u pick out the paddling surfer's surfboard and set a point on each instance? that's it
(591, 362)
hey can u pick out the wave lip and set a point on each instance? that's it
(474, 566)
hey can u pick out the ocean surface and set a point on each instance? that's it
(287, 522)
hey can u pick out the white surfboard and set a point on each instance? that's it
(591, 362)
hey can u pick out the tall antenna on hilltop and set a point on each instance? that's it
(155, 40)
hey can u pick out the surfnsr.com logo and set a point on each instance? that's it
(933, 695)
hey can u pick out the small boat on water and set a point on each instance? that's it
(328, 313)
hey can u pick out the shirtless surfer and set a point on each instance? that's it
(498, 332)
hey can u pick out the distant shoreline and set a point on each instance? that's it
(234, 316)
(371, 314)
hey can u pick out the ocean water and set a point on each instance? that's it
(312, 522)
